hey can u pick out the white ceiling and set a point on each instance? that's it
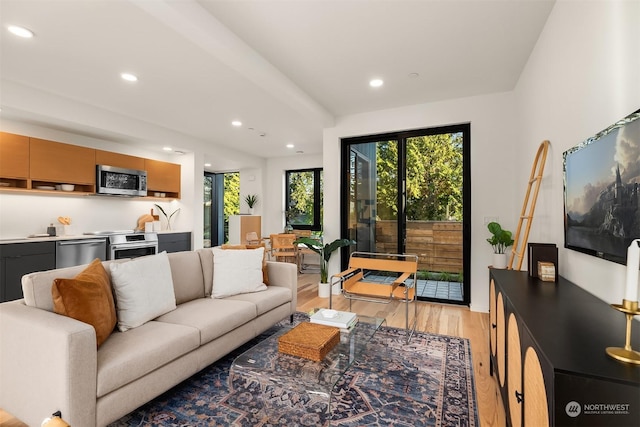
(287, 69)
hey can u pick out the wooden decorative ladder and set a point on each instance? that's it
(529, 206)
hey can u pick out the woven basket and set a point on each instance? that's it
(309, 340)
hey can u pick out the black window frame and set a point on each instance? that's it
(317, 198)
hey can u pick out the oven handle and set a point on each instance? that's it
(133, 246)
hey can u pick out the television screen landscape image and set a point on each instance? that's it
(602, 191)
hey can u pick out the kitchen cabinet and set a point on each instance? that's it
(548, 353)
(174, 242)
(118, 160)
(240, 225)
(18, 259)
(162, 177)
(54, 163)
(14, 160)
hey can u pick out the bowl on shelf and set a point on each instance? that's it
(67, 187)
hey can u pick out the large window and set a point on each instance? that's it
(304, 199)
(221, 200)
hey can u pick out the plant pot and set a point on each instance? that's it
(337, 288)
(323, 290)
(250, 211)
(500, 261)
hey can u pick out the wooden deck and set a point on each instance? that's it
(434, 318)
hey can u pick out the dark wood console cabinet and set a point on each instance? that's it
(548, 345)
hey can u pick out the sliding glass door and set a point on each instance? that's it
(408, 193)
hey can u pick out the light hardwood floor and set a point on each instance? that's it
(435, 318)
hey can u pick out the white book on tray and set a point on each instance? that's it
(339, 319)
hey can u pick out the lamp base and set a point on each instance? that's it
(619, 353)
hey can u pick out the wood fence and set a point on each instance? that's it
(438, 244)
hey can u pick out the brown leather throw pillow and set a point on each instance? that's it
(88, 298)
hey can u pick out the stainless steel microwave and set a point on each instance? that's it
(120, 182)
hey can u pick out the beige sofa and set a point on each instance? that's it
(49, 362)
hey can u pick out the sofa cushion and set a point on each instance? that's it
(265, 301)
(265, 273)
(144, 290)
(237, 272)
(88, 298)
(212, 317)
(36, 287)
(127, 356)
(206, 260)
(188, 279)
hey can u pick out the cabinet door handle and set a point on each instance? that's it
(519, 396)
(493, 326)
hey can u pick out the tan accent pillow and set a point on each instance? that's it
(87, 298)
(265, 275)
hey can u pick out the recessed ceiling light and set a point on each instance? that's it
(376, 83)
(290, 145)
(20, 31)
(207, 165)
(129, 77)
(236, 123)
(167, 148)
(414, 75)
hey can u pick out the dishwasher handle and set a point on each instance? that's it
(80, 242)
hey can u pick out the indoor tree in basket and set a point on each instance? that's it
(500, 241)
(324, 252)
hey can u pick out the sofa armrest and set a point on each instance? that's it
(284, 274)
(48, 362)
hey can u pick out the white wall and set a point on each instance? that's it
(583, 76)
(492, 149)
(274, 200)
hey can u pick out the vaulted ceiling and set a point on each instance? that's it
(285, 69)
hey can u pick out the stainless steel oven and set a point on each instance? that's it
(129, 244)
(132, 245)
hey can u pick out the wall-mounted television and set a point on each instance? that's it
(602, 191)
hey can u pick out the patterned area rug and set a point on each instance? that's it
(428, 382)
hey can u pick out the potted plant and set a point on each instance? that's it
(252, 200)
(325, 255)
(500, 241)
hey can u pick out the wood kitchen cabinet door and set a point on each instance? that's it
(118, 160)
(163, 177)
(14, 156)
(62, 163)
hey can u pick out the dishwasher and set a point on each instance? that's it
(70, 253)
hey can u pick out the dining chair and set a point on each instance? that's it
(283, 248)
(302, 251)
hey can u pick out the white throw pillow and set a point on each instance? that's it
(144, 290)
(237, 272)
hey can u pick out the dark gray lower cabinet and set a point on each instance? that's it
(18, 259)
(174, 242)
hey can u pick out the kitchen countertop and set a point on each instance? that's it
(8, 240)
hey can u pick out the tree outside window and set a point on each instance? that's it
(304, 199)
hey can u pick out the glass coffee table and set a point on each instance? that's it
(266, 371)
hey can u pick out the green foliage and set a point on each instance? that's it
(231, 195)
(433, 181)
(324, 252)
(501, 239)
(300, 211)
(251, 199)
